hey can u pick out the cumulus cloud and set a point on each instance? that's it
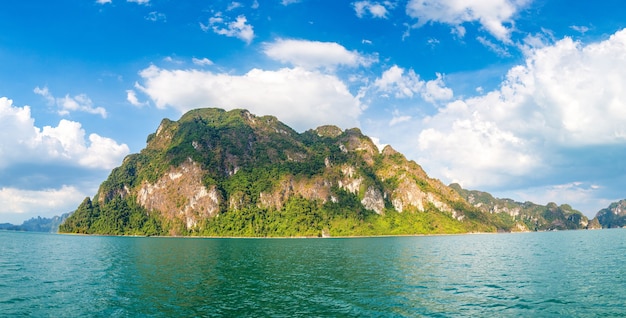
(395, 81)
(314, 54)
(302, 98)
(102, 152)
(144, 2)
(565, 105)
(103, 1)
(436, 90)
(239, 28)
(68, 104)
(406, 84)
(375, 9)
(493, 15)
(22, 142)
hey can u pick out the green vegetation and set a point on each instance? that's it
(116, 217)
(299, 218)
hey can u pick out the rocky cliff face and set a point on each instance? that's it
(212, 166)
(180, 193)
(526, 216)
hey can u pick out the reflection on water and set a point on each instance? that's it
(577, 273)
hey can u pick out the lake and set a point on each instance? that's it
(570, 273)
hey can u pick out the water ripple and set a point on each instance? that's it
(572, 274)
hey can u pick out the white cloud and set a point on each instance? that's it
(68, 104)
(46, 202)
(493, 15)
(375, 9)
(407, 84)
(101, 153)
(301, 98)
(79, 103)
(22, 142)
(288, 2)
(532, 42)
(234, 5)
(46, 94)
(131, 97)
(395, 81)
(436, 90)
(103, 1)
(67, 141)
(202, 62)
(144, 2)
(566, 97)
(378, 144)
(238, 28)
(459, 31)
(314, 54)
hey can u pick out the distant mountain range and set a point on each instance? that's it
(527, 216)
(218, 173)
(38, 224)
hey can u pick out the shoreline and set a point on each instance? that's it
(311, 237)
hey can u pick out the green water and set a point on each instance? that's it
(576, 273)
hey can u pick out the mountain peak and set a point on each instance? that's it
(329, 131)
(389, 151)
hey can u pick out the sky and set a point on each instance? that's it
(524, 99)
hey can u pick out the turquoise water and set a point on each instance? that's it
(575, 273)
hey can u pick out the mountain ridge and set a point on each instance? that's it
(231, 173)
(38, 224)
(526, 216)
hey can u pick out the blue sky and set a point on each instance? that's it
(520, 98)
